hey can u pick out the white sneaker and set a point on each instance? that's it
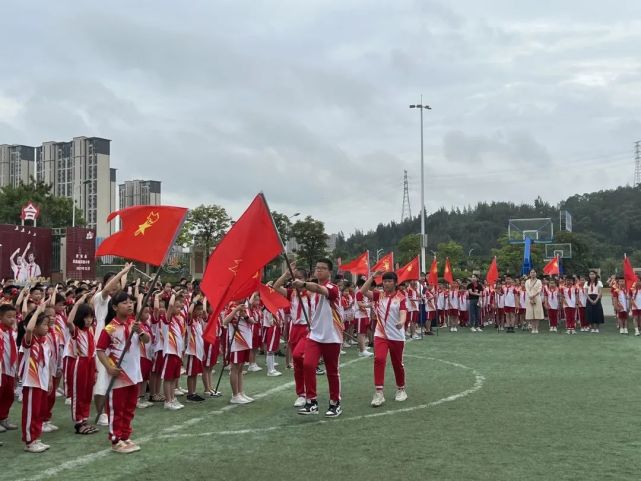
(343, 352)
(35, 447)
(177, 404)
(178, 392)
(47, 427)
(625, 330)
(416, 336)
(378, 399)
(103, 420)
(365, 353)
(401, 395)
(170, 406)
(254, 368)
(636, 331)
(274, 373)
(247, 398)
(68, 401)
(238, 399)
(473, 329)
(620, 330)
(346, 345)
(141, 404)
(300, 402)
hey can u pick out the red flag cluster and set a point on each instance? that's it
(552, 267)
(360, 265)
(409, 272)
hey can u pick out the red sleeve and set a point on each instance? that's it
(332, 292)
(26, 344)
(376, 295)
(104, 341)
(290, 293)
(163, 318)
(403, 304)
(359, 296)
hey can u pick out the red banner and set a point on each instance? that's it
(25, 253)
(81, 252)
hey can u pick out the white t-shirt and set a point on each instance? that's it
(101, 308)
(592, 289)
(388, 314)
(326, 323)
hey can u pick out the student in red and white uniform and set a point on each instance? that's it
(463, 313)
(81, 366)
(430, 295)
(522, 300)
(581, 302)
(59, 338)
(146, 351)
(121, 402)
(347, 313)
(36, 378)
(510, 302)
(391, 312)
(499, 305)
(195, 347)
(362, 319)
(635, 306)
(412, 304)
(158, 357)
(453, 305)
(63, 337)
(211, 352)
(8, 364)
(622, 305)
(568, 297)
(255, 312)
(299, 311)
(272, 325)
(173, 323)
(552, 304)
(240, 337)
(442, 296)
(325, 339)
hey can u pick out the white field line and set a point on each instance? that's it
(479, 381)
(164, 433)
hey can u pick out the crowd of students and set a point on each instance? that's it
(63, 342)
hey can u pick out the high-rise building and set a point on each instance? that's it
(81, 170)
(138, 192)
(16, 165)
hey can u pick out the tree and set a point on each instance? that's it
(283, 225)
(204, 227)
(408, 248)
(454, 251)
(311, 239)
(54, 211)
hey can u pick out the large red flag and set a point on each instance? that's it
(409, 272)
(384, 264)
(360, 265)
(272, 300)
(628, 273)
(552, 267)
(432, 278)
(249, 245)
(147, 234)
(492, 273)
(447, 272)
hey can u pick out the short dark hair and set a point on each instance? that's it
(107, 277)
(325, 260)
(34, 289)
(82, 312)
(60, 298)
(360, 282)
(390, 276)
(4, 308)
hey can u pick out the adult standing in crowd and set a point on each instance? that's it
(474, 290)
(593, 308)
(534, 305)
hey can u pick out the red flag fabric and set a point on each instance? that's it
(384, 264)
(147, 234)
(409, 272)
(272, 300)
(447, 272)
(492, 273)
(360, 265)
(552, 267)
(249, 245)
(628, 273)
(432, 278)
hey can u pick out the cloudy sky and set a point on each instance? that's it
(308, 100)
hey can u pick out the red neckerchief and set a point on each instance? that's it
(40, 340)
(13, 355)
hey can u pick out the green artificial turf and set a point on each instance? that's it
(521, 407)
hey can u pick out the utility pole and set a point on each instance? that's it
(637, 163)
(406, 212)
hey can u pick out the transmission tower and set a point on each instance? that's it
(637, 163)
(406, 212)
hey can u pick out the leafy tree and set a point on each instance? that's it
(283, 225)
(454, 251)
(311, 239)
(408, 248)
(54, 211)
(204, 227)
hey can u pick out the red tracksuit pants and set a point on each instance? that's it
(81, 377)
(120, 407)
(34, 404)
(570, 317)
(297, 335)
(6, 395)
(395, 349)
(331, 353)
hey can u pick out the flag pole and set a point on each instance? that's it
(145, 299)
(226, 361)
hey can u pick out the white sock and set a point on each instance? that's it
(270, 361)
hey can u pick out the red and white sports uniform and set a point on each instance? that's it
(121, 402)
(453, 302)
(412, 306)
(240, 337)
(430, 303)
(361, 313)
(211, 351)
(388, 337)
(36, 376)
(347, 309)
(552, 298)
(522, 300)
(325, 339)
(569, 306)
(622, 304)
(441, 305)
(297, 334)
(509, 299)
(635, 302)
(146, 351)
(8, 366)
(195, 349)
(55, 367)
(158, 344)
(81, 373)
(581, 302)
(462, 306)
(173, 347)
(271, 331)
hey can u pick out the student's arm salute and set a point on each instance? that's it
(311, 287)
(366, 288)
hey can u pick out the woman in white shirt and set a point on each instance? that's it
(593, 307)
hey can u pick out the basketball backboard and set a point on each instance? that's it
(538, 230)
(564, 251)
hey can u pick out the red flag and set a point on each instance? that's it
(552, 267)
(272, 300)
(384, 264)
(409, 272)
(147, 234)
(432, 278)
(628, 273)
(360, 265)
(249, 245)
(492, 273)
(447, 272)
